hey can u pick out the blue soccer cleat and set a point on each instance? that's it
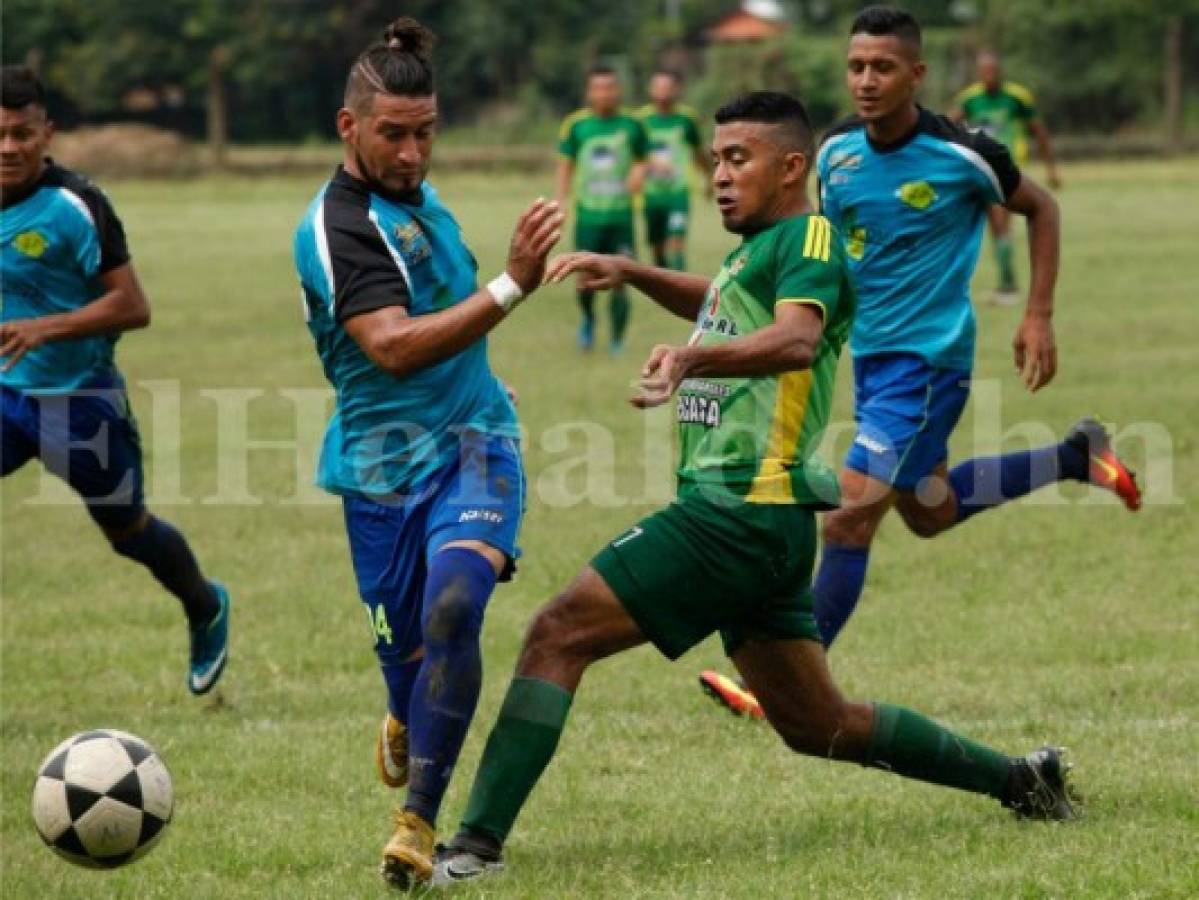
(210, 646)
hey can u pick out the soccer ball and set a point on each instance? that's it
(102, 798)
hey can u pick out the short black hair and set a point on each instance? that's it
(772, 108)
(600, 69)
(400, 64)
(20, 87)
(884, 20)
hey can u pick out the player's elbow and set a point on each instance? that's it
(797, 355)
(392, 354)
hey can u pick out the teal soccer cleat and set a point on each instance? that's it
(210, 646)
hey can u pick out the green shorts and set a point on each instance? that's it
(699, 566)
(610, 236)
(667, 217)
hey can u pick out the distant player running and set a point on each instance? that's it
(908, 192)
(602, 153)
(1005, 111)
(69, 291)
(734, 552)
(675, 146)
(422, 446)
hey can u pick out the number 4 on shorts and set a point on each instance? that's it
(378, 619)
(634, 532)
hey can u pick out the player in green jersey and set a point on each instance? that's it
(674, 143)
(602, 159)
(1007, 112)
(734, 552)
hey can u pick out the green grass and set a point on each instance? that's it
(1070, 621)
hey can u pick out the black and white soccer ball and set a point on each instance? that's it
(102, 798)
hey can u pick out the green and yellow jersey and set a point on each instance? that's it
(756, 437)
(1003, 114)
(603, 150)
(673, 140)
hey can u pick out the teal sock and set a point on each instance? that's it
(519, 748)
(620, 314)
(1003, 259)
(911, 745)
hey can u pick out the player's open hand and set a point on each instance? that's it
(596, 271)
(1035, 351)
(17, 338)
(661, 376)
(537, 231)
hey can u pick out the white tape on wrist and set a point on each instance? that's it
(505, 291)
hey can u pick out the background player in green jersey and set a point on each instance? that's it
(734, 552)
(602, 160)
(1007, 112)
(674, 142)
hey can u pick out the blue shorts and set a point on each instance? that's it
(905, 410)
(479, 497)
(88, 438)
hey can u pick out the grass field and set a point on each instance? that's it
(1069, 620)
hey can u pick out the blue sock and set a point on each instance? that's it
(837, 587)
(164, 551)
(988, 481)
(457, 588)
(400, 678)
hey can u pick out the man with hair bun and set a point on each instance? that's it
(70, 291)
(422, 446)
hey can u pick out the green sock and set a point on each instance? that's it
(519, 748)
(1003, 259)
(909, 744)
(620, 314)
(678, 261)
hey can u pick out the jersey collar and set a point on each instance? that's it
(344, 179)
(922, 119)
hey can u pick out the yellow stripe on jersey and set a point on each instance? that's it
(806, 301)
(569, 122)
(1020, 92)
(772, 484)
(817, 241)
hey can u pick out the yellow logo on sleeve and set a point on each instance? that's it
(917, 194)
(30, 243)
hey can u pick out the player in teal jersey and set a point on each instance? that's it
(602, 153)
(1007, 112)
(675, 145)
(69, 290)
(422, 446)
(735, 550)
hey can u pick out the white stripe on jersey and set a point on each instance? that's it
(399, 260)
(78, 202)
(322, 250)
(976, 159)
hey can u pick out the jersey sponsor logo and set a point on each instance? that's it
(843, 159)
(413, 244)
(693, 410)
(738, 264)
(30, 243)
(871, 444)
(490, 516)
(721, 325)
(917, 194)
(703, 386)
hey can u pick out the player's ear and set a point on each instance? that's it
(795, 167)
(346, 122)
(919, 70)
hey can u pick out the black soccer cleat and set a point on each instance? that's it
(1038, 786)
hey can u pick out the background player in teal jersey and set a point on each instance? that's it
(422, 444)
(1007, 112)
(909, 193)
(734, 551)
(602, 152)
(68, 291)
(674, 146)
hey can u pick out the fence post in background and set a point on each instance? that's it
(218, 110)
(1172, 84)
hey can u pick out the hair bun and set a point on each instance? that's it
(409, 36)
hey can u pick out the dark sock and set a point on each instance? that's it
(989, 481)
(677, 261)
(164, 551)
(661, 260)
(400, 678)
(1003, 260)
(620, 314)
(443, 702)
(519, 748)
(837, 587)
(587, 305)
(911, 745)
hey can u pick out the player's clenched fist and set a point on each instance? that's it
(537, 231)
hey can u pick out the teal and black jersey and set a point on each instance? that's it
(55, 243)
(357, 251)
(911, 215)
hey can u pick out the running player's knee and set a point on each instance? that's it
(925, 522)
(817, 733)
(452, 615)
(554, 639)
(849, 528)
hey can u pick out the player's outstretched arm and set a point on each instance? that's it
(786, 344)
(122, 307)
(402, 344)
(1034, 347)
(679, 292)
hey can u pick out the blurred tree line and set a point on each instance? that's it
(273, 70)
